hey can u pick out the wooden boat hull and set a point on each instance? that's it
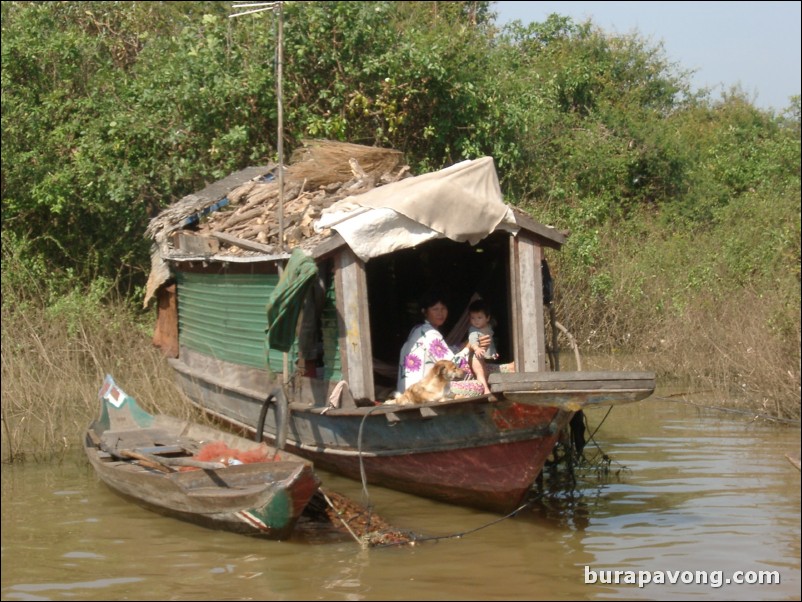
(467, 452)
(263, 499)
(493, 477)
(269, 511)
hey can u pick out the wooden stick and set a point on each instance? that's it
(164, 464)
(168, 462)
(144, 461)
(245, 244)
(573, 344)
(360, 541)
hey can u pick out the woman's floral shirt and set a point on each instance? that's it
(424, 347)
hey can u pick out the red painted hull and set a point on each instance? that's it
(494, 477)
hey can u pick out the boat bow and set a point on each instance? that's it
(573, 391)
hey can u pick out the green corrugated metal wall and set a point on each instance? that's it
(224, 316)
(332, 369)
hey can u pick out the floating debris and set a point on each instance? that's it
(345, 515)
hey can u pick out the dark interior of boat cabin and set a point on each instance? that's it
(395, 283)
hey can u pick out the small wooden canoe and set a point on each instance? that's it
(163, 464)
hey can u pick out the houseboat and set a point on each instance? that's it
(283, 311)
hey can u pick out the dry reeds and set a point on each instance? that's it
(730, 347)
(745, 347)
(324, 162)
(53, 364)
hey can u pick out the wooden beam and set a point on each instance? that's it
(248, 245)
(192, 244)
(546, 235)
(353, 324)
(530, 342)
(334, 242)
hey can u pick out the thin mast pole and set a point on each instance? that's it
(280, 101)
(278, 7)
(280, 142)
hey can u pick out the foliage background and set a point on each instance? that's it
(683, 210)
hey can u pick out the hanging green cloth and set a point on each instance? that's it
(285, 303)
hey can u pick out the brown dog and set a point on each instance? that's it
(435, 386)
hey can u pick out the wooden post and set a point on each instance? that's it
(529, 341)
(356, 351)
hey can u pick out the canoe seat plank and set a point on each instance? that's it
(161, 450)
(151, 441)
(218, 492)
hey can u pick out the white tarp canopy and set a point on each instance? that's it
(462, 202)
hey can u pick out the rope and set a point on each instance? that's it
(462, 534)
(364, 479)
(604, 456)
(362, 474)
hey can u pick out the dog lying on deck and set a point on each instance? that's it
(435, 386)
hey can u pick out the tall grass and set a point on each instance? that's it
(718, 311)
(59, 340)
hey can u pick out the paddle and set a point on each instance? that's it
(161, 462)
(142, 459)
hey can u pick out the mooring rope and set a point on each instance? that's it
(462, 534)
(362, 474)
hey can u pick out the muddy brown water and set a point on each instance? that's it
(696, 496)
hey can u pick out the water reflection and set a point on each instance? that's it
(685, 490)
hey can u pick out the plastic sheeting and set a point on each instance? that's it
(462, 202)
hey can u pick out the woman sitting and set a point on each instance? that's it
(426, 345)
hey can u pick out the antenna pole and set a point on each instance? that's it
(280, 102)
(277, 7)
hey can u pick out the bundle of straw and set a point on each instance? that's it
(324, 162)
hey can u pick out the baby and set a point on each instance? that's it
(481, 324)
